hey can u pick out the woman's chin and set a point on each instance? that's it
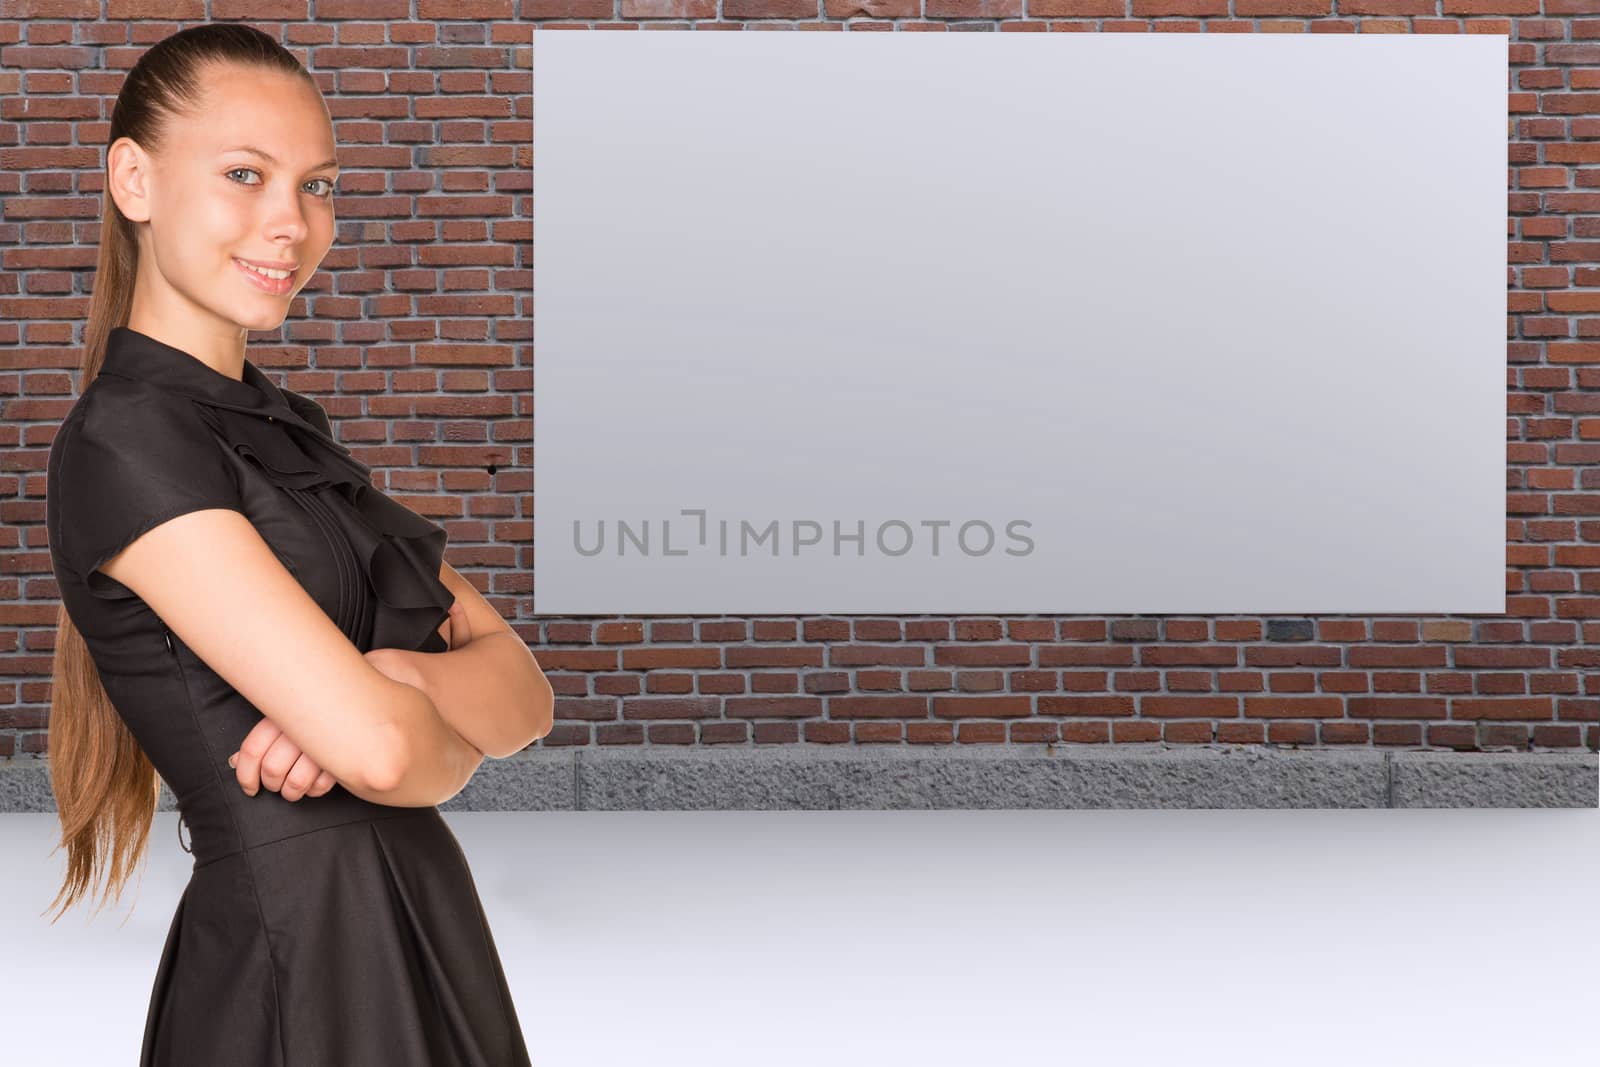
(261, 319)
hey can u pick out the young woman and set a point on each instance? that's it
(246, 615)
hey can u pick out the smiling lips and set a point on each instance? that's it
(275, 281)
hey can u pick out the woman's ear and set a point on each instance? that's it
(128, 175)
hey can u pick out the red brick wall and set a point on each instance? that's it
(417, 337)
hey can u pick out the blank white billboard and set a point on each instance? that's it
(1019, 323)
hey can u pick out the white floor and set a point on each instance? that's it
(1410, 938)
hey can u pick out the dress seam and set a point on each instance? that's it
(343, 560)
(255, 897)
(368, 819)
(314, 830)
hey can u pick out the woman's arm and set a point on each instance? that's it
(268, 758)
(491, 690)
(440, 767)
(434, 761)
(223, 591)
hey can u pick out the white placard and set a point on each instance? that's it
(1022, 323)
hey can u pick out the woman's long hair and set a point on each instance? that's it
(105, 786)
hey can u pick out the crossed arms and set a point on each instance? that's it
(413, 726)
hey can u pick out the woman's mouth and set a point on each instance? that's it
(276, 282)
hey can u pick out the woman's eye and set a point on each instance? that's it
(320, 182)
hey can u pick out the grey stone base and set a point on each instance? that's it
(826, 777)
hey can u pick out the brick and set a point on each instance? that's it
(421, 320)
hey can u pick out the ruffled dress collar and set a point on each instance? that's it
(135, 355)
(400, 551)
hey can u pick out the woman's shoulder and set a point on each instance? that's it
(127, 456)
(114, 397)
(122, 413)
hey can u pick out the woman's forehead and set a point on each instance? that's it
(236, 93)
(284, 122)
(232, 84)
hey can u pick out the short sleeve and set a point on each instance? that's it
(124, 465)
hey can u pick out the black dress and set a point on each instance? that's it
(330, 930)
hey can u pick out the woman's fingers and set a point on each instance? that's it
(454, 628)
(301, 777)
(247, 761)
(444, 632)
(277, 762)
(460, 629)
(267, 758)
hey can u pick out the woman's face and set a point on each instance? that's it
(248, 177)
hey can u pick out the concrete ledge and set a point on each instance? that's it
(1495, 780)
(25, 785)
(826, 777)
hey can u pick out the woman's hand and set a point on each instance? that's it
(268, 758)
(402, 665)
(455, 630)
